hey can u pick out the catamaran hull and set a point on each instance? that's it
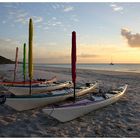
(31, 103)
(71, 112)
(21, 104)
(27, 83)
(22, 90)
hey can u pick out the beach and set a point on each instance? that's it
(120, 119)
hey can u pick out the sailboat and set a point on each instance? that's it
(31, 101)
(34, 88)
(111, 63)
(25, 82)
(34, 82)
(68, 111)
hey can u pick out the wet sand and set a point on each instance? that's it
(120, 119)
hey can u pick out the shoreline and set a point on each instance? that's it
(102, 72)
(95, 70)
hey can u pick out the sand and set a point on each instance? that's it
(121, 119)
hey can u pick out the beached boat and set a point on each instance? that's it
(27, 83)
(39, 88)
(26, 102)
(69, 111)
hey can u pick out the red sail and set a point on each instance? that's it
(73, 57)
(16, 62)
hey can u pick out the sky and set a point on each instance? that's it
(104, 30)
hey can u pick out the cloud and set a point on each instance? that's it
(7, 47)
(53, 18)
(83, 55)
(22, 16)
(3, 21)
(59, 23)
(63, 7)
(52, 44)
(42, 53)
(74, 18)
(21, 20)
(46, 28)
(54, 22)
(133, 40)
(9, 5)
(116, 8)
(18, 16)
(56, 6)
(45, 55)
(37, 19)
(68, 9)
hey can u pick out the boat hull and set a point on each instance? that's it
(27, 83)
(20, 103)
(75, 110)
(25, 90)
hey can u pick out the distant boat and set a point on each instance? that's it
(111, 63)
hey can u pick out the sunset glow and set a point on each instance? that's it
(105, 31)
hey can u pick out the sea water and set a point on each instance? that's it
(116, 67)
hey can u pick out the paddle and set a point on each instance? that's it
(30, 59)
(73, 60)
(16, 62)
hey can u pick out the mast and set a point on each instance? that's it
(73, 60)
(16, 62)
(30, 59)
(24, 62)
(111, 61)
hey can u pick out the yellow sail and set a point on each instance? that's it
(30, 59)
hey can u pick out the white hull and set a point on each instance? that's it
(25, 90)
(27, 103)
(67, 113)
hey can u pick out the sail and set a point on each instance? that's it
(73, 60)
(30, 59)
(24, 61)
(16, 62)
(73, 57)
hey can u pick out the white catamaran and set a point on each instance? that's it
(26, 102)
(69, 111)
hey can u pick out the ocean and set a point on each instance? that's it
(116, 67)
(135, 68)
